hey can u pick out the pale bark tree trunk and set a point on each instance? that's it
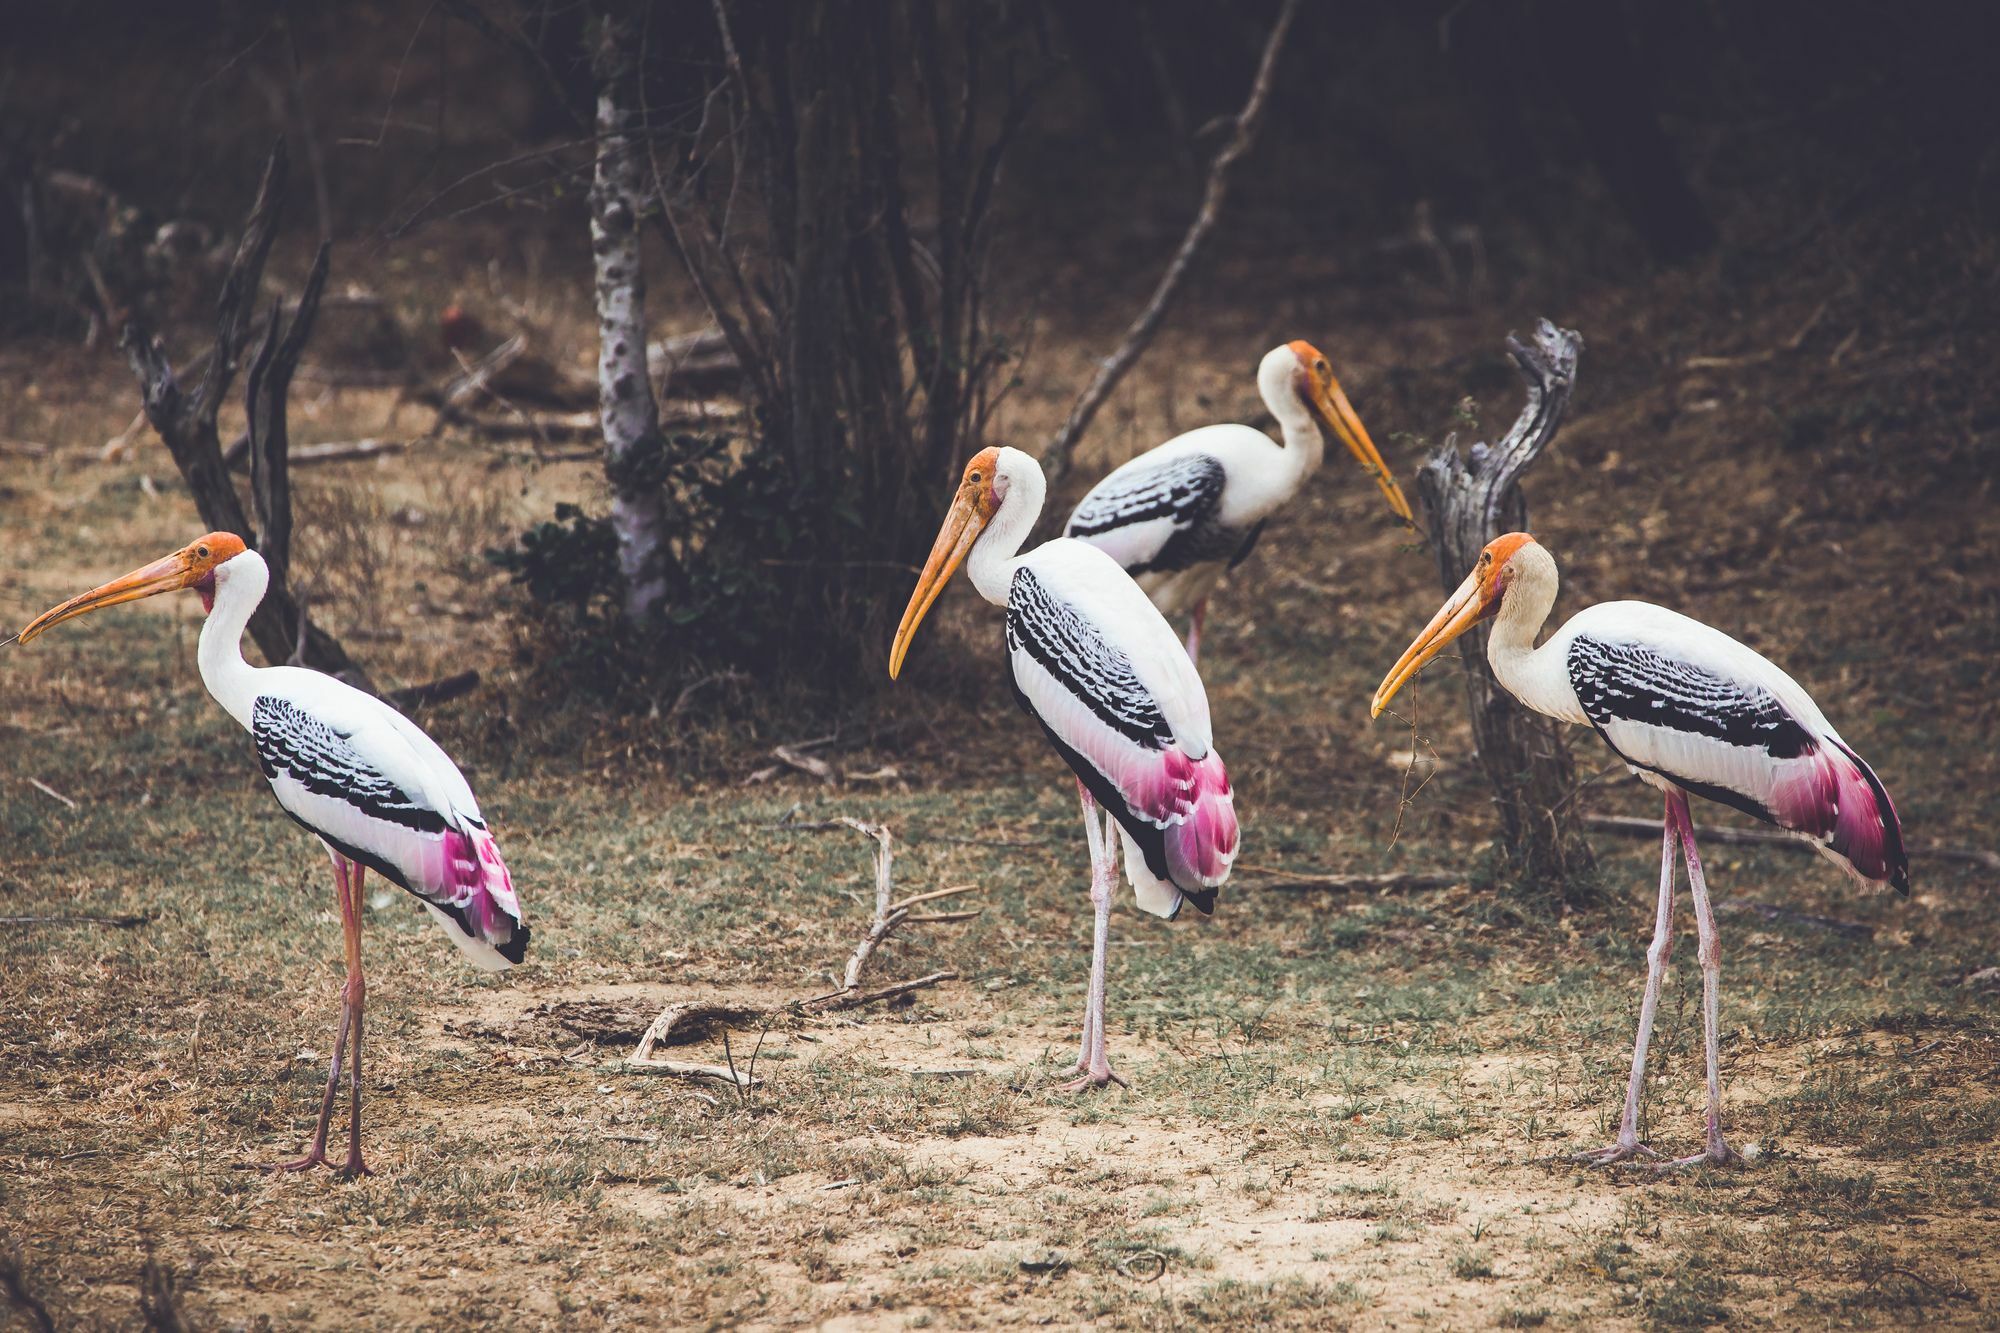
(633, 446)
(1470, 500)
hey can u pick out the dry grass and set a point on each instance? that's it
(1345, 1110)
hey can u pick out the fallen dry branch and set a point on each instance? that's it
(685, 1018)
(121, 922)
(1289, 881)
(682, 1069)
(688, 1021)
(345, 451)
(46, 790)
(1854, 930)
(1138, 337)
(834, 1001)
(1641, 827)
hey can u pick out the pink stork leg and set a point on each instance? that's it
(1092, 1062)
(345, 889)
(1717, 1152)
(1092, 832)
(1194, 630)
(356, 993)
(1627, 1145)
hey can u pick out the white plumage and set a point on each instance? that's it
(1179, 516)
(1100, 671)
(378, 792)
(1691, 711)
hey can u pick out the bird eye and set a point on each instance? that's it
(201, 551)
(1323, 368)
(973, 478)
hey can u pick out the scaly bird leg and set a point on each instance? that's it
(1097, 1069)
(1194, 630)
(316, 1155)
(356, 993)
(1717, 1153)
(1627, 1145)
(1091, 832)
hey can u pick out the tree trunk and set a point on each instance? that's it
(634, 449)
(1470, 500)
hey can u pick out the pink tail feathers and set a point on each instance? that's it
(1201, 848)
(482, 894)
(1833, 797)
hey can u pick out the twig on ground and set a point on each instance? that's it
(1139, 336)
(684, 1017)
(889, 914)
(1638, 826)
(834, 1001)
(344, 451)
(120, 922)
(682, 1069)
(805, 763)
(46, 790)
(1301, 881)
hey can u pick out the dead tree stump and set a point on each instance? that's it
(186, 422)
(1470, 499)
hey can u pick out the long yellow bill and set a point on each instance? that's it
(1467, 607)
(170, 574)
(1340, 414)
(961, 529)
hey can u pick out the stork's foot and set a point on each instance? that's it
(317, 1157)
(353, 1167)
(1717, 1153)
(1094, 1078)
(1621, 1151)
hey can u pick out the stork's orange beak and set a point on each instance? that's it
(962, 526)
(1339, 414)
(1467, 607)
(180, 570)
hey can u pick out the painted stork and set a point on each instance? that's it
(1690, 710)
(1180, 516)
(379, 793)
(1102, 674)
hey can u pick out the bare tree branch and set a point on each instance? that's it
(1138, 337)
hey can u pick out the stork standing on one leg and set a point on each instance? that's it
(1180, 516)
(1100, 671)
(379, 793)
(1691, 710)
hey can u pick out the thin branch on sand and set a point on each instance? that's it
(890, 913)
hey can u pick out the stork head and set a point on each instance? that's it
(197, 565)
(1476, 599)
(1308, 377)
(980, 493)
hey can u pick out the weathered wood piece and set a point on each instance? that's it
(1470, 499)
